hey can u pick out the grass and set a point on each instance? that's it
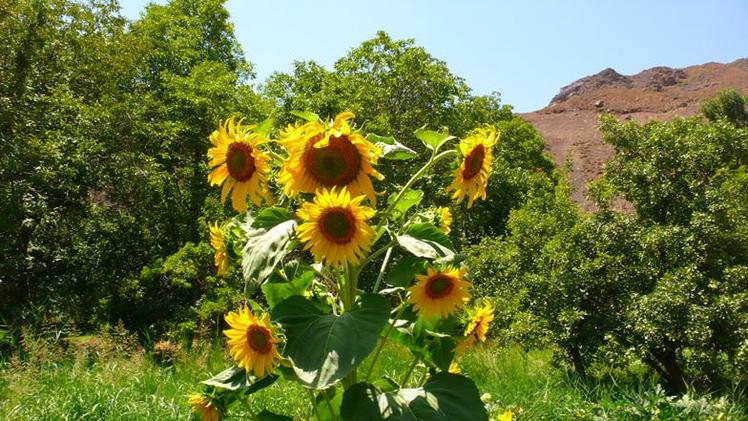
(115, 387)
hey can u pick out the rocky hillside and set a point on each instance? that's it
(569, 122)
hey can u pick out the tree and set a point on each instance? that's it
(728, 105)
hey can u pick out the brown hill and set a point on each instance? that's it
(569, 122)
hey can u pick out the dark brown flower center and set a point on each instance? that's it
(338, 225)
(439, 286)
(240, 162)
(474, 162)
(337, 164)
(259, 339)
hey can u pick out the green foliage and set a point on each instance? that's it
(444, 396)
(103, 131)
(325, 348)
(727, 105)
(665, 286)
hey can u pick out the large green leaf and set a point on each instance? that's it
(295, 280)
(265, 126)
(426, 240)
(327, 404)
(235, 378)
(409, 199)
(270, 217)
(324, 348)
(391, 148)
(433, 140)
(264, 247)
(266, 415)
(404, 271)
(306, 115)
(445, 396)
(424, 248)
(426, 231)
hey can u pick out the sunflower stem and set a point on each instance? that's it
(384, 339)
(381, 269)
(351, 287)
(413, 365)
(329, 406)
(430, 163)
(376, 254)
(314, 404)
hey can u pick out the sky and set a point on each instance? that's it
(525, 50)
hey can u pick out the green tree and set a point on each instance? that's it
(104, 130)
(728, 105)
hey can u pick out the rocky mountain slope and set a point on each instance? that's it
(569, 122)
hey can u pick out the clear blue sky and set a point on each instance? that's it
(526, 50)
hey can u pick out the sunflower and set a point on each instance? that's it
(445, 219)
(335, 228)
(439, 293)
(221, 257)
(204, 406)
(252, 343)
(471, 177)
(320, 157)
(480, 319)
(238, 164)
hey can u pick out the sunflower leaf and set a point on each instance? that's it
(426, 231)
(391, 148)
(266, 415)
(444, 396)
(270, 217)
(388, 140)
(235, 378)
(264, 248)
(297, 280)
(404, 271)
(306, 115)
(265, 126)
(433, 140)
(425, 240)
(410, 198)
(324, 348)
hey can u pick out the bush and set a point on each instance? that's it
(727, 105)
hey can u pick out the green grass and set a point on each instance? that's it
(135, 388)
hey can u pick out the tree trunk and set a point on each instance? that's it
(674, 374)
(576, 359)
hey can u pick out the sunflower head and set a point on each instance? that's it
(218, 243)
(439, 292)
(445, 219)
(479, 320)
(328, 157)
(204, 407)
(238, 164)
(335, 227)
(471, 178)
(252, 341)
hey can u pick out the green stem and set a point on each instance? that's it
(413, 365)
(314, 404)
(329, 406)
(381, 269)
(351, 285)
(376, 254)
(384, 339)
(433, 160)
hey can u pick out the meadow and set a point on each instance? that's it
(114, 386)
